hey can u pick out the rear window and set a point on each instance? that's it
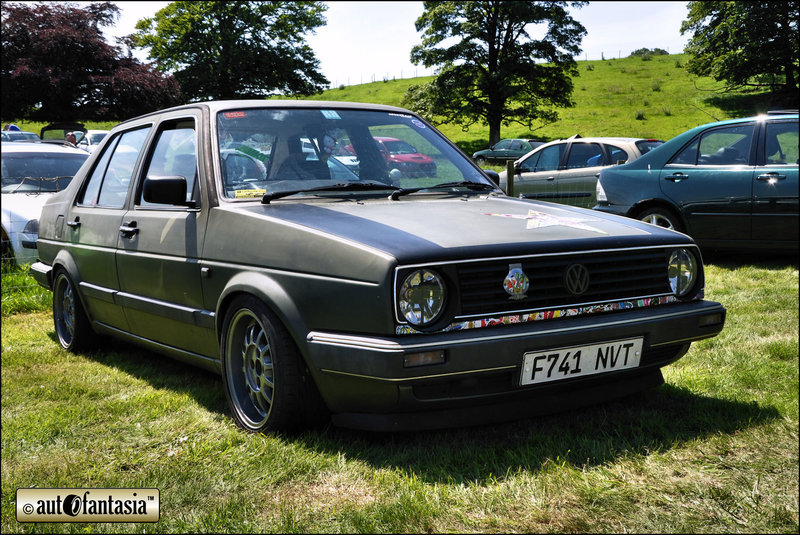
(646, 145)
(39, 171)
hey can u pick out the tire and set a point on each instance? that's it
(262, 372)
(480, 160)
(661, 217)
(71, 324)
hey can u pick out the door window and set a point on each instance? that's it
(549, 158)
(721, 146)
(175, 154)
(584, 155)
(108, 184)
(616, 154)
(781, 143)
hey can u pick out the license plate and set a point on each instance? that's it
(579, 361)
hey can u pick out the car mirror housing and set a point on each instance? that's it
(165, 190)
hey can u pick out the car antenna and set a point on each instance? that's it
(704, 111)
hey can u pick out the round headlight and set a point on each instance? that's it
(682, 272)
(421, 297)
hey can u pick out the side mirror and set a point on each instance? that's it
(166, 190)
(518, 168)
(494, 176)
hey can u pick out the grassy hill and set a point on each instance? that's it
(615, 97)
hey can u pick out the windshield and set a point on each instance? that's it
(38, 171)
(274, 150)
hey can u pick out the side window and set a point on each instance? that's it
(584, 155)
(516, 145)
(529, 164)
(175, 154)
(108, 184)
(616, 154)
(782, 143)
(549, 158)
(721, 146)
(502, 145)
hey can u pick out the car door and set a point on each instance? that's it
(775, 188)
(577, 183)
(92, 223)
(536, 174)
(500, 151)
(711, 181)
(158, 258)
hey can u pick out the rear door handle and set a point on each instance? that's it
(770, 177)
(128, 229)
(676, 177)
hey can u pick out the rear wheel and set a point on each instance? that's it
(661, 217)
(262, 371)
(71, 323)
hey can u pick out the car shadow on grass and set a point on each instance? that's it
(650, 421)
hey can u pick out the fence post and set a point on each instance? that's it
(510, 178)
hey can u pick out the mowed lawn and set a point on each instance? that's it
(713, 450)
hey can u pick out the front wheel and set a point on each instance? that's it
(480, 160)
(71, 323)
(262, 371)
(661, 218)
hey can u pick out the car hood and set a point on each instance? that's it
(24, 206)
(455, 228)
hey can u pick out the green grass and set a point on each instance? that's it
(714, 450)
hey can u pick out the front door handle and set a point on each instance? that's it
(676, 177)
(128, 229)
(74, 224)
(770, 177)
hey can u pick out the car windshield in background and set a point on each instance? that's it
(25, 172)
(273, 151)
(646, 145)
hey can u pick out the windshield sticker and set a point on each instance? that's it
(330, 114)
(234, 115)
(250, 193)
(417, 123)
(541, 220)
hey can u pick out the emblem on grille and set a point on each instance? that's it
(576, 279)
(516, 282)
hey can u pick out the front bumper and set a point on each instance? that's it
(365, 384)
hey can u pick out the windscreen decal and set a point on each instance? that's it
(541, 220)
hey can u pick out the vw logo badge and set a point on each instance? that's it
(516, 282)
(576, 279)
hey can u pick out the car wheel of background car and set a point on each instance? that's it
(71, 324)
(262, 371)
(6, 255)
(480, 160)
(661, 217)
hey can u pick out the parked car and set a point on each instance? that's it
(437, 303)
(566, 170)
(12, 135)
(60, 130)
(506, 149)
(89, 140)
(31, 172)
(404, 157)
(729, 184)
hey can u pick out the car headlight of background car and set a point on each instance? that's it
(682, 271)
(421, 297)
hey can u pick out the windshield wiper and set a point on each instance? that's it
(350, 186)
(475, 186)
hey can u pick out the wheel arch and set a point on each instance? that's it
(272, 294)
(646, 204)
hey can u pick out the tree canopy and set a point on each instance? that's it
(56, 65)
(744, 43)
(490, 68)
(224, 50)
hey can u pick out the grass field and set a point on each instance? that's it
(714, 450)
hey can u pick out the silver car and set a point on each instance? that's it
(566, 170)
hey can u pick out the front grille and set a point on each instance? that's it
(613, 276)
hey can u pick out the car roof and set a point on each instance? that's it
(35, 146)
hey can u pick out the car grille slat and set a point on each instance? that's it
(614, 276)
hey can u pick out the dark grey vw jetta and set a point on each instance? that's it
(229, 235)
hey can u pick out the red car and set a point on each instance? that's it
(405, 158)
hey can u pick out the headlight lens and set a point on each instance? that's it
(421, 297)
(682, 272)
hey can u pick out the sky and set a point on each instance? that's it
(369, 41)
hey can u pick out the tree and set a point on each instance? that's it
(225, 50)
(744, 43)
(490, 69)
(56, 65)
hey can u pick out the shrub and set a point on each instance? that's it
(656, 85)
(640, 115)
